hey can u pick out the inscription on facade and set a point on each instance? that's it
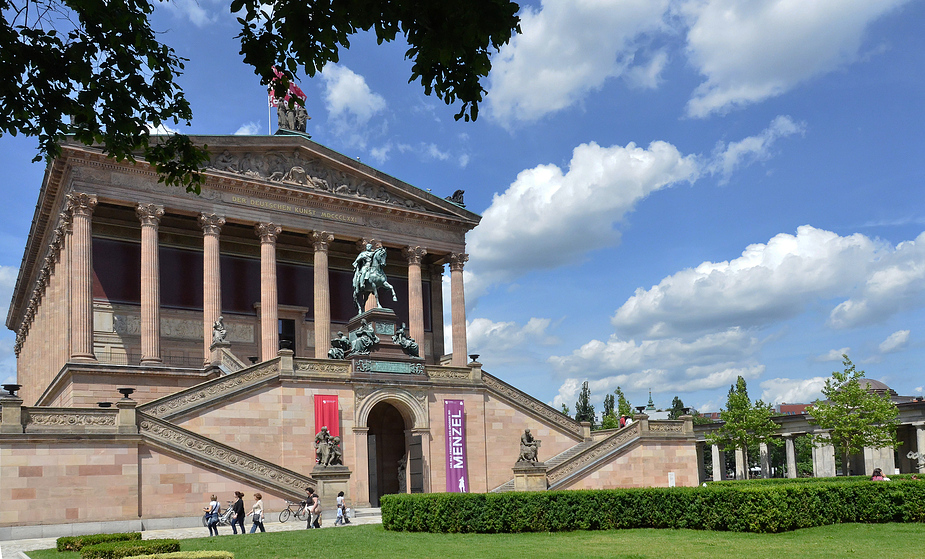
(370, 366)
(289, 207)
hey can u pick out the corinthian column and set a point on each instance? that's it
(415, 294)
(211, 225)
(320, 242)
(81, 208)
(458, 308)
(150, 217)
(269, 313)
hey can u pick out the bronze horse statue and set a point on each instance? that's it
(369, 277)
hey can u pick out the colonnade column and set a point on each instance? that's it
(269, 311)
(322, 314)
(150, 216)
(764, 460)
(741, 465)
(436, 314)
(920, 445)
(211, 225)
(790, 451)
(824, 459)
(458, 308)
(719, 463)
(415, 293)
(81, 207)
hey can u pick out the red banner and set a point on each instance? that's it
(326, 414)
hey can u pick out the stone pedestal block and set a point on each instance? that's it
(530, 477)
(216, 352)
(331, 481)
(12, 415)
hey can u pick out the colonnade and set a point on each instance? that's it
(80, 252)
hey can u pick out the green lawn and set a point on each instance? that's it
(365, 542)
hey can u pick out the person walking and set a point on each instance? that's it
(314, 508)
(257, 512)
(341, 511)
(211, 513)
(238, 518)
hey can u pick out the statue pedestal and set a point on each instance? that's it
(530, 476)
(386, 356)
(331, 481)
(216, 350)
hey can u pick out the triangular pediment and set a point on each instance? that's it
(298, 163)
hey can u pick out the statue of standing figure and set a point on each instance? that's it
(368, 276)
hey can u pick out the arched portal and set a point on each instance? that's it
(387, 447)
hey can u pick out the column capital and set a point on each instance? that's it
(414, 254)
(458, 260)
(361, 244)
(81, 203)
(66, 219)
(211, 224)
(149, 214)
(321, 240)
(268, 232)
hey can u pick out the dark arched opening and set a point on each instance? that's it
(386, 449)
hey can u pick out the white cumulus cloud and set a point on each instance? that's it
(895, 341)
(350, 103)
(248, 129)
(833, 355)
(792, 391)
(568, 49)
(728, 158)
(753, 50)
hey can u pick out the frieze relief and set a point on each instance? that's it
(292, 168)
(68, 418)
(130, 325)
(210, 391)
(189, 442)
(322, 367)
(666, 427)
(448, 373)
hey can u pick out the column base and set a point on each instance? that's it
(152, 361)
(83, 358)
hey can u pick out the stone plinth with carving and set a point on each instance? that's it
(530, 476)
(386, 356)
(331, 480)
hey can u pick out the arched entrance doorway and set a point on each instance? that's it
(386, 440)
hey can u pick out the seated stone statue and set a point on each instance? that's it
(529, 447)
(366, 338)
(219, 333)
(340, 346)
(408, 345)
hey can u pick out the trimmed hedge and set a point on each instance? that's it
(76, 543)
(762, 508)
(187, 555)
(119, 550)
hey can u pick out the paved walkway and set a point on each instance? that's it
(14, 549)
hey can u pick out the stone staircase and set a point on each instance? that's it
(553, 462)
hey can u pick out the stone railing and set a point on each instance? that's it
(18, 419)
(320, 367)
(212, 390)
(531, 404)
(594, 453)
(257, 471)
(229, 361)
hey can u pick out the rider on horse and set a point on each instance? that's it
(368, 276)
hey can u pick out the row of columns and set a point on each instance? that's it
(80, 208)
(823, 457)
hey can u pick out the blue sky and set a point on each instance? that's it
(674, 192)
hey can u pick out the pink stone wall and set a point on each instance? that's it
(647, 464)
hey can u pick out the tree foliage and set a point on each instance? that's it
(609, 404)
(677, 408)
(853, 416)
(94, 69)
(584, 409)
(623, 405)
(744, 422)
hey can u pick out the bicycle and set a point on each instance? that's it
(293, 508)
(224, 518)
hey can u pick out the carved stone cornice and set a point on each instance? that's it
(458, 260)
(81, 204)
(292, 168)
(593, 453)
(149, 214)
(267, 231)
(211, 224)
(260, 472)
(321, 240)
(533, 405)
(414, 254)
(210, 391)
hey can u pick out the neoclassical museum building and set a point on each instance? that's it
(174, 345)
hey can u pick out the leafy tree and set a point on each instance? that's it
(623, 405)
(700, 419)
(677, 408)
(610, 421)
(95, 68)
(853, 416)
(565, 410)
(608, 404)
(584, 410)
(744, 423)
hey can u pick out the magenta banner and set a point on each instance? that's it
(454, 414)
